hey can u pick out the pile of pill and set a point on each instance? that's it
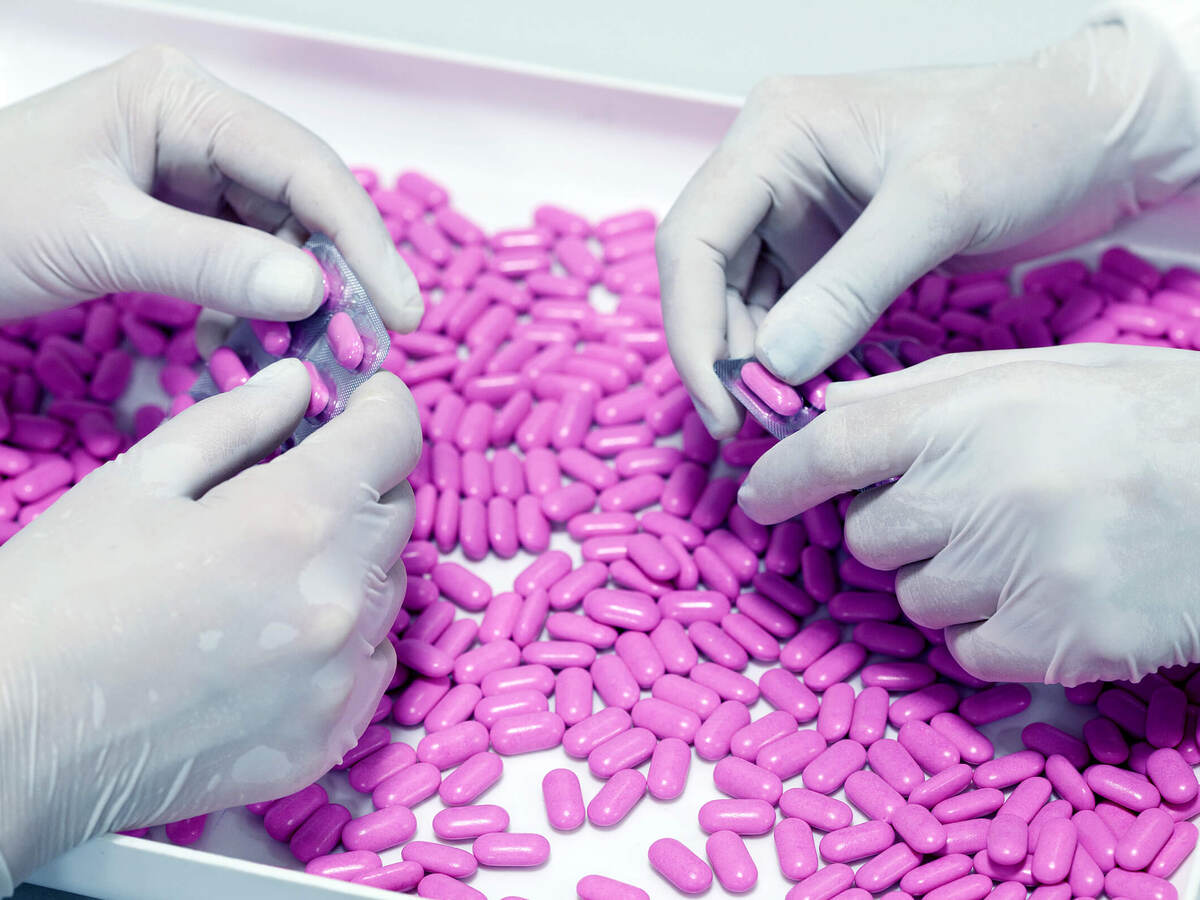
(551, 412)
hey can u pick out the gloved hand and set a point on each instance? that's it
(1049, 510)
(186, 631)
(115, 181)
(843, 190)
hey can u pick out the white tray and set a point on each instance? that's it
(503, 140)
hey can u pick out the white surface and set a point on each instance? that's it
(502, 142)
(720, 48)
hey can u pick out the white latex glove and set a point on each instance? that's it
(841, 191)
(186, 631)
(115, 181)
(1049, 510)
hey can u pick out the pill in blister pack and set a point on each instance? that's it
(342, 344)
(774, 404)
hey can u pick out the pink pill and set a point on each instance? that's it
(873, 796)
(857, 606)
(563, 799)
(887, 868)
(779, 396)
(825, 884)
(894, 640)
(752, 638)
(1009, 770)
(571, 588)
(518, 679)
(795, 848)
(972, 746)
(290, 812)
(472, 666)
(366, 775)
(527, 733)
(456, 706)
(344, 866)
(682, 868)
(586, 735)
(469, 822)
(573, 695)
(715, 735)
(507, 849)
(945, 784)
(895, 765)
(731, 862)
(918, 828)
(380, 830)
(445, 887)
(717, 645)
(933, 751)
(1056, 850)
(1172, 776)
(559, 654)
(1138, 886)
(614, 682)
(1177, 849)
(1068, 783)
(856, 842)
(1148, 834)
(829, 770)
(1048, 740)
(748, 740)
(625, 750)
(438, 858)
(665, 720)
(688, 607)
(571, 627)
(1007, 840)
(743, 780)
(622, 609)
(597, 887)
(995, 703)
(1129, 789)
(935, 874)
(453, 745)
(461, 586)
(789, 755)
(1165, 717)
(617, 797)
(1105, 741)
(669, 765)
(785, 692)
(818, 810)
(320, 832)
(344, 340)
(728, 684)
(739, 816)
(671, 641)
(812, 643)
(472, 778)
(41, 480)
(966, 837)
(868, 722)
(637, 651)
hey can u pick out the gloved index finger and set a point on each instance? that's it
(265, 151)
(716, 214)
(842, 450)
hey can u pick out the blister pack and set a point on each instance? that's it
(775, 405)
(342, 344)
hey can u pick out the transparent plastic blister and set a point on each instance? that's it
(309, 340)
(779, 426)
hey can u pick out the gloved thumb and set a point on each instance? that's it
(218, 437)
(161, 249)
(900, 236)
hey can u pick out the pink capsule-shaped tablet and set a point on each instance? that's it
(380, 830)
(1177, 849)
(472, 778)
(743, 780)
(586, 735)
(669, 767)
(665, 720)
(1009, 770)
(713, 738)
(1055, 850)
(625, 750)
(564, 799)
(785, 692)
(527, 733)
(972, 746)
(344, 866)
(918, 828)
(1007, 839)
(1068, 783)
(995, 703)
(895, 765)
(739, 816)
(1129, 789)
(947, 783)
(1172, 776)
(829, 882)
(789, 755)
(778, 395)
(509, 849)
(637, 651)
(619, 795)
(829, 771)
(1049, 740)
(598, 887)
(471, 667)
(682, 868)
(571, 588)
(1138, 886)
(453, 745)
(573, 695)
(441, 859)
(886, 868)
(873, 796)
(466, 823)
(320, 832)
(345, 340)
(1147, 836)
(728, 684)
(812, 643)
(856, 842)
(290, 812)
(677, 652)
(868, 721)
(731, 862)
(795, 848)
(748, 740)
(932, 750)
(818, 810)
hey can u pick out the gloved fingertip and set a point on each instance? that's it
(789, 348)
(404, 306)
(277, 372)
(285, 285)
